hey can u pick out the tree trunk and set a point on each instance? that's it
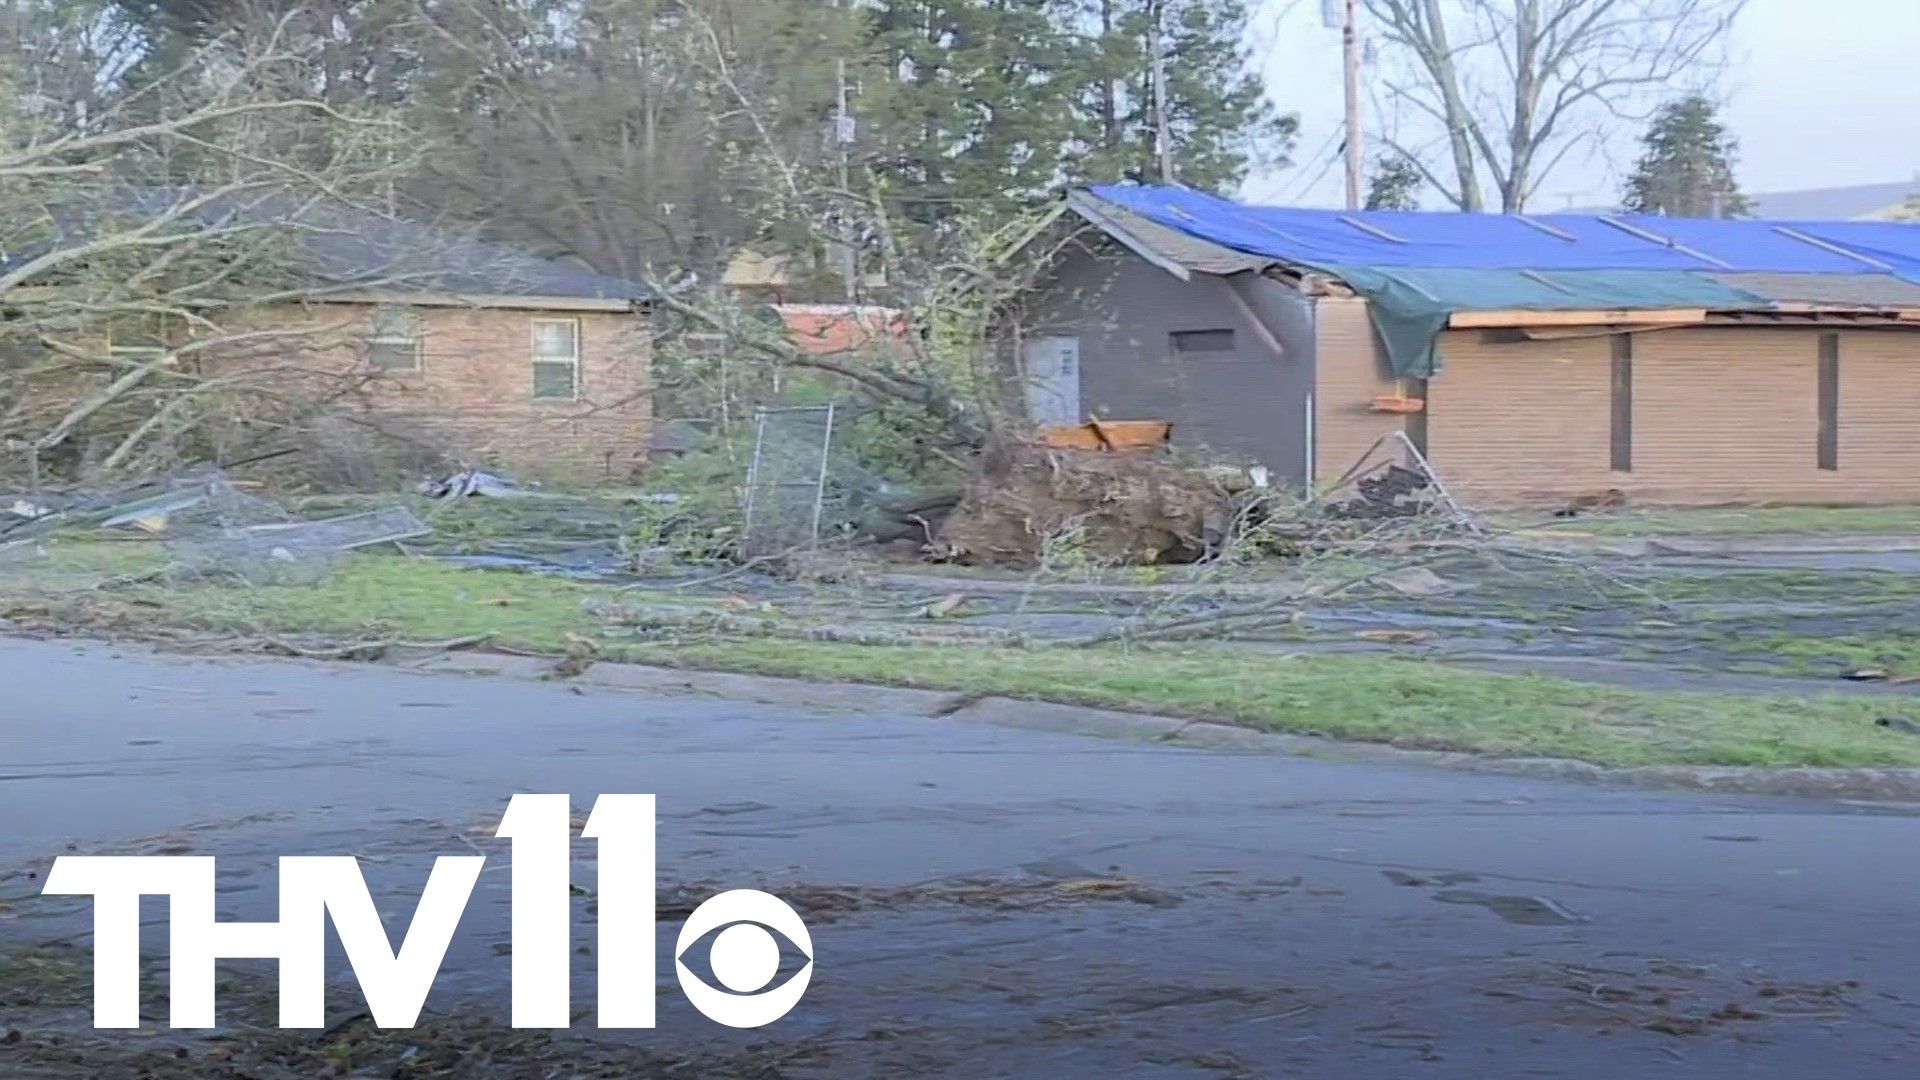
(1459, 120)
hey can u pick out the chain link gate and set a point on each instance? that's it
(787, 478)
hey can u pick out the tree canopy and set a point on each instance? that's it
(1686, 167)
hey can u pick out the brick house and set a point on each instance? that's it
(546, 386)
(1534, 359)
(466, 351)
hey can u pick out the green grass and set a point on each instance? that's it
(1898, 654)
(385, 596)
(1734, 520)
(1368, 698)
(1372, 698)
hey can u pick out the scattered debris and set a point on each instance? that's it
(287, 552)
(1524, 910)
(1415, 581)
(943, 607)
(580, 655)
(1421, 881)
(1395, 637)
(1611, 499)
(369, 651)
(1394, 479)
(467, 484)
(827, 902)
(180, 491)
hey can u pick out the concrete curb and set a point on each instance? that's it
(1867, 785)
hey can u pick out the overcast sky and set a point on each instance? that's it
(1821, 93)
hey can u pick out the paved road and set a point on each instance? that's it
(1295, 918)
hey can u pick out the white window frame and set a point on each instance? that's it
(411, 341)
(573, 362)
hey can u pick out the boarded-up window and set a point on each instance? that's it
(1621, 438)
(556, 358)
(394, 344)
(1828, 450)
(1202, 341)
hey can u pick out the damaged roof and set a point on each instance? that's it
(1419, 269)
(829, 329)
(341, 245)
(1170, 248)
(1381, 238)
(1849, 290)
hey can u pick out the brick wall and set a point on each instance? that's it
(1350, 370)
(472, 396)
(1720, 415)
(1525, 422)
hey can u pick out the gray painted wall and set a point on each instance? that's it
(1245, 406)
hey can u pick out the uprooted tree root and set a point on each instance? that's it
(1117, 508)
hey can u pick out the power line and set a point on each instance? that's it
(1326, 166)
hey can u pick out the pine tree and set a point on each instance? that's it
(1395, 183)
(989, 104)
(1218, 115)
(967, 101)
(1686, 168)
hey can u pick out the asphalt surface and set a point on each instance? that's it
(1286, 918)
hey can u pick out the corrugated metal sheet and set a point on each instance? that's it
(1861, 290)
(1151, 239)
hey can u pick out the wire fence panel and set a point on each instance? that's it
(787, 478)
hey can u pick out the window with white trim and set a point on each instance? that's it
(394, 344)
(556, 359)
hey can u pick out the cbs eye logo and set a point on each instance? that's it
(744, 958)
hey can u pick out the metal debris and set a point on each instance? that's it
(212, 527)
(289, 552)
(473, 482)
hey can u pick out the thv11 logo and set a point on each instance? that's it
(745, 957)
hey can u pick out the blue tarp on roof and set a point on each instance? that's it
(1418, 268)
(1384, 238)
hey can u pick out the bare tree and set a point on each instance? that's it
(149, 228)
(1512, 86)
(611, 131)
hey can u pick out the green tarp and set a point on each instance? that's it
(1410, 306)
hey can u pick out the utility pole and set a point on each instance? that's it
(1350, 60)
(1162, 135)
(843, 135)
